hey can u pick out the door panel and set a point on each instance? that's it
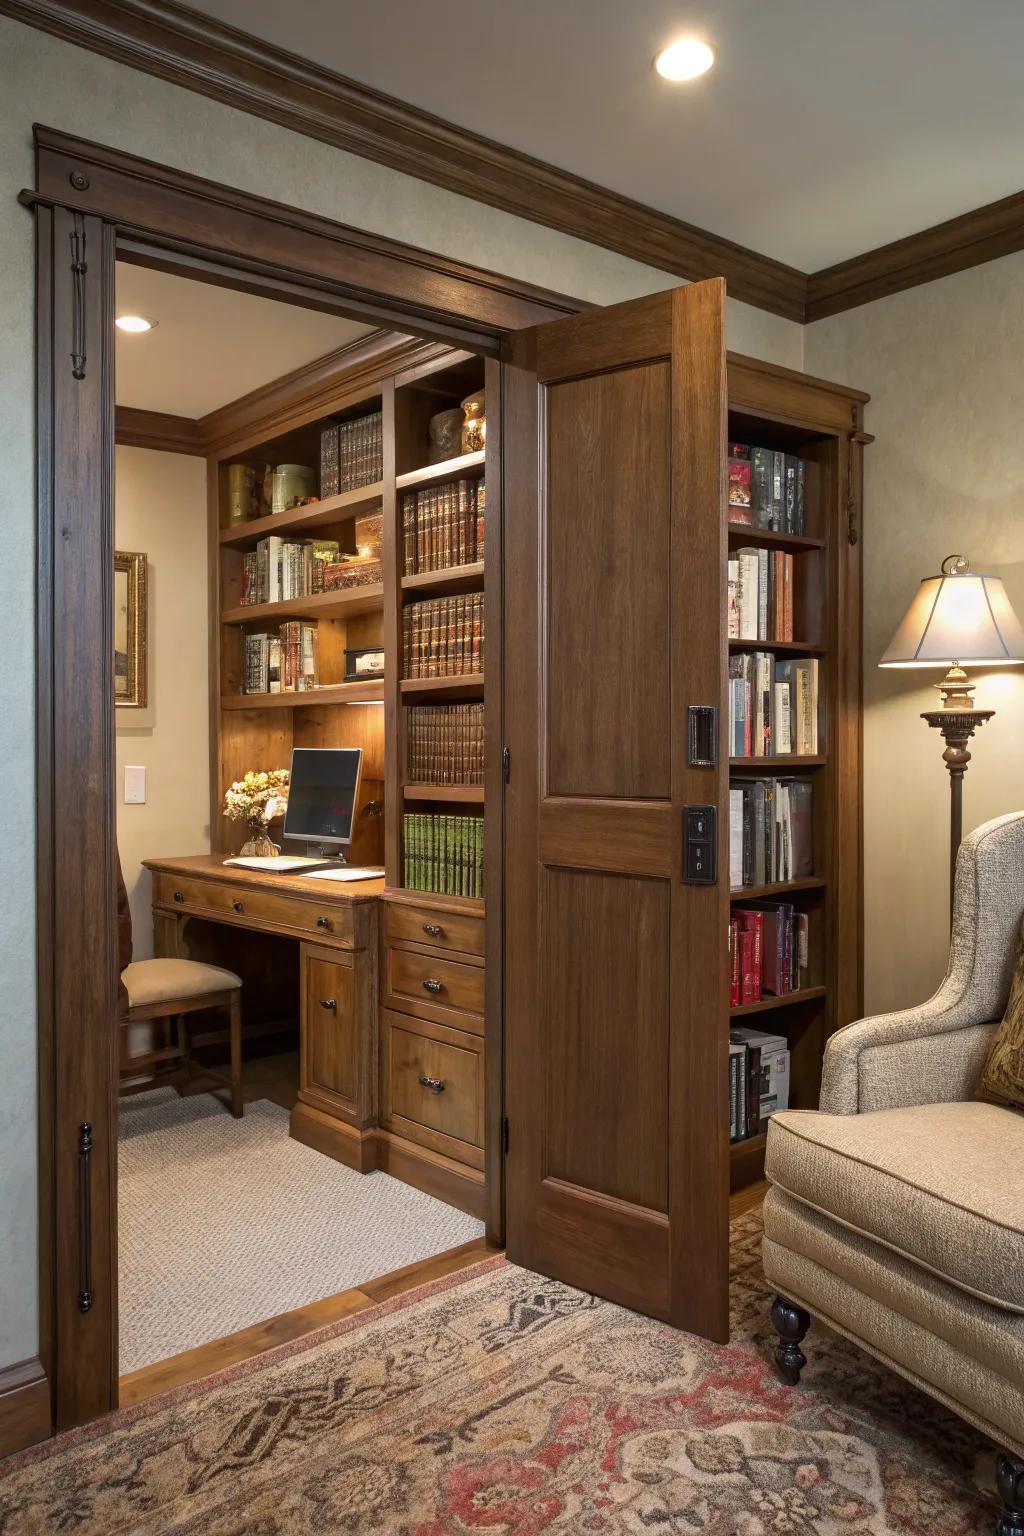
(616, 987)
(607, 680)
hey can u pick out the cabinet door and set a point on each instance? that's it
(616, 986)
(336, 1035)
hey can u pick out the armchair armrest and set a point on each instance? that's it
(934, 1053)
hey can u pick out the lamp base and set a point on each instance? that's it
(957, 726)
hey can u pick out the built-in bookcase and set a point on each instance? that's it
(822, 425)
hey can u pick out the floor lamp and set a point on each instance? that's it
(958, 616)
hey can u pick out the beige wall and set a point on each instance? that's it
(943, 364)
(43, 79)
(160, 511)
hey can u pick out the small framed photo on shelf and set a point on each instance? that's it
(364, 662)
(130, 679)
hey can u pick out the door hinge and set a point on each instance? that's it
(506, 763)
(504, 1133)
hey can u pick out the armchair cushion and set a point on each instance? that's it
(1003, 1076)
(937, 1183)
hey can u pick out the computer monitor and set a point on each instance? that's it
(322, 795)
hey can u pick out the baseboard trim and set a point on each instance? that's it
(314, 1128)
(24, 1406)
(455, 1183)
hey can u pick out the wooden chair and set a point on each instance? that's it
(165, 992)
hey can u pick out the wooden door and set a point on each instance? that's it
(616, 985)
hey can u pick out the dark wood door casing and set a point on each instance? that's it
(616, 999)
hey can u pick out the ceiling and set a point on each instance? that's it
(824, 130)
(211, 345)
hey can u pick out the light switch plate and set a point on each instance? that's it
(134, 784)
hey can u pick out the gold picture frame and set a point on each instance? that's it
(130, 659)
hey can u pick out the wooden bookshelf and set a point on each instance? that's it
(787, 647)
(319, 605)
(469, 466)
(770, 1004)
(456, 578)
(778, 888)
(453, 794)
(304, 520)
(470, 684)
(787, 763)
(764, 538)
(369, 692)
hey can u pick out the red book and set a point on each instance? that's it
(734, 955)
(751, 922)
(750, 985)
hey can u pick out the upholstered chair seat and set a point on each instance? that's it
(162, 981)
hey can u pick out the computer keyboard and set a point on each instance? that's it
(347, 872)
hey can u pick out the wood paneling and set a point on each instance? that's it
(157, 429)
(205, 56)
(606, 1116)
(332, 1051)
(607, 681)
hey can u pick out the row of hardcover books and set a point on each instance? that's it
(443, 526)
(768, 944)
(279, 569)
(773, 705)
(281, 663)
(758, 1081)
(767, 489)
(446, 743)
(760, 597)
(444, 854)
(443, 636)
(771, 831)
(351, 454)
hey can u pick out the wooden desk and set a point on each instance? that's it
(336, 926)
(400, 1090)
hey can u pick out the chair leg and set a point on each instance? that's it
(791, 1324)
(1010, 1486)
(181, 1037)
(235, 1028)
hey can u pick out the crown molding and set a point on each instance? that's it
(194, 51)
(134, 428)
(984, 234)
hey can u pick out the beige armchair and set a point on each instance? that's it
(896, 1212)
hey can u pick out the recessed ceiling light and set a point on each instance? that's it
(684, 59)
(136, 324)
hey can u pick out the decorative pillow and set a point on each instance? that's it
(1003, 1077)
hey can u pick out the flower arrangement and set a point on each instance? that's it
(256, 798)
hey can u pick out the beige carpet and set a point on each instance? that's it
(499, 1403)
(224, 1222)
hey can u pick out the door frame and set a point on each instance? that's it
(153, 215)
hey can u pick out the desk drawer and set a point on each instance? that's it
(211, 898)
(433, 1086)
(415, 977)
(442, 930)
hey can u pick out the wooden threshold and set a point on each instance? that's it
(194, 1364)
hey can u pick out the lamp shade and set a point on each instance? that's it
(959, 616)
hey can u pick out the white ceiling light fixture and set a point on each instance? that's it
(685, 59)
(135, 325)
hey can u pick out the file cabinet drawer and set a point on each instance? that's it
(433, 1086)
(415, 977)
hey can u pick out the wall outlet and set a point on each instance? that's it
(134, 785)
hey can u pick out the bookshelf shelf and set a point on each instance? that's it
(788, 760)
(790, 647)
(332, 509)
(454, 579)
(764, 538)
(777, 888)
(769, 1004)
(320, 605)
(370, 692)
(442, 688)
(456, 794)
(466, 467)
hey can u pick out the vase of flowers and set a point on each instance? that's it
(257, 798)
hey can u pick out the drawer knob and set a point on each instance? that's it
(238, 906)
(328, 1002)
(435, 1084)
(434, 930)
(323, 922)
(179, 895)
(430, 985)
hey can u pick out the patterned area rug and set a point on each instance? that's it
(499, 1402)
(224, 1222)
